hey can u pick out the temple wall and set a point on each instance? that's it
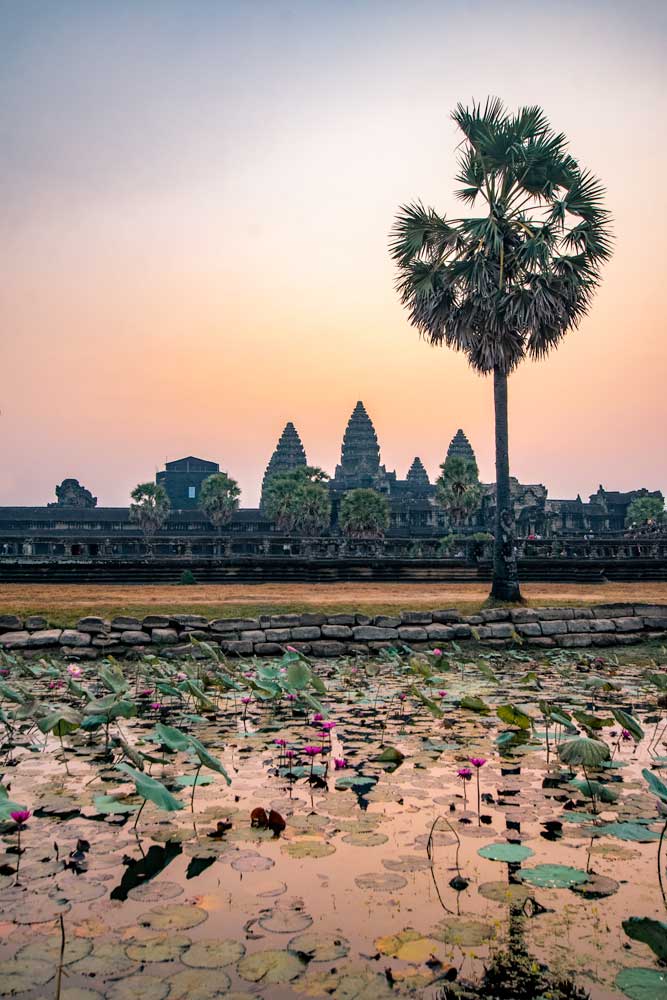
(321, 635)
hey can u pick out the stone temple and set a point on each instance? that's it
(75, 525)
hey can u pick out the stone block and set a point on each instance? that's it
(341, 620)
(528, 628)
(284, 621)
(233, 624)
(271, 635)
(268, 649)
(473, 620)
(579, 625)
(603, 638)
(336, 632)
(541, 643)
(362, 620)
(72, 637)
(574, 641)
(164, 636)
(189, 621)
(416, 618)
(310, 618)
(442, 633)
(524, 615)
(554, 628)
(105, 642)
(602, 625)
(236, 647)
(79, 653)
(156, 621)
(495, 615)
(655, 623)
(358, 648)
(583, 613)
(255, 635)
(10, 623)
(387, 621)
(93, 625)
(555, 614)
(445, 616)
(123, 623)
(327, 648)
(364, 633)
(306, 632)
(413, 633)
(613, 610)
(628, 639)
(302, 647)
(629, 624)
(135, 637)
(499, 630)
(15, 640)
(645, 610)
(35, 622)
(44, 637)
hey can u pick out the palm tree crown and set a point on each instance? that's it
(510, 282)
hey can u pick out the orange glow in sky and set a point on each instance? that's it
(197, 199)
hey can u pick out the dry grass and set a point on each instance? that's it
(64, 604)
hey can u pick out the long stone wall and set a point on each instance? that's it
(322, 635)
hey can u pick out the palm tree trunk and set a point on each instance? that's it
(505, 578)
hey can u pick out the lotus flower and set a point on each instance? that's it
(478, 761)
(312, 751)
(339, 763)
(318, 717)
(465, 773)
(20, 815)
(437, 652)
(328, 726)
(291, 649)
(280, 743)
(74, 670)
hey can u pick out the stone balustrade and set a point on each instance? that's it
(322, 635)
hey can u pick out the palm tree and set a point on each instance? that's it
(219, 498)
(150, 509)
(298, 501)
(364, 514)
(507, 283)
(458, 488)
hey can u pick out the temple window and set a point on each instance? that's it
(192, 490)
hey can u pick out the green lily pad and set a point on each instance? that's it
(213, 954)
(628, 831)
(199, 984)
(505, 852)
(553, 876)
(320, 947)
(271, 966)
(650, 932)
(643, 984)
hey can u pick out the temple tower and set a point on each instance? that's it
(417, 477)
(360, 456)
(288, 455)
(461, 447)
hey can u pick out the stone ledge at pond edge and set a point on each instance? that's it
(338, 634)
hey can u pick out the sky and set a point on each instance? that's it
(196, 201)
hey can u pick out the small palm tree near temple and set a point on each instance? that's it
(364, 514)
(298, 501)
(149, 509)
(645, 512)
(458, 488)
(510, 281)
(219, 498)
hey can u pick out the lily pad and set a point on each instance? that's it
(198, 984)
(173, 917)
(643, 984)
(140, 985)
(160, 948)
(381, 882)
(320, 947)
(553, 876)
(213, 953)
(271, 966)
(511, 853)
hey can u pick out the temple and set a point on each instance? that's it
(74, 525)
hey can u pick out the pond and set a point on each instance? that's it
(355, 829)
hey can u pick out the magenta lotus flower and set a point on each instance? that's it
(20, 815)
(145, 693)
(312, 751)
(437, 652)
(339, 763)
(290, 697)
(465, 773)
(318, 717)
(246, 700)
(156, 706)
(180, 676)
(290, 753)
(626, 735)
(328, 726)
(280, 743)
(442, 693)
(402, 696)
(291, 649)
(478, 761)
(74, 670)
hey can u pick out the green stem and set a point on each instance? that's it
(139, 814)
(194, 786)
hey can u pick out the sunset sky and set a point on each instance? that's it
(196, 199)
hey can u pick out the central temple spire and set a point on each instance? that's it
(360, 452)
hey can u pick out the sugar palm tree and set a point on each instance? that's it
(458, 489)
(364, 514)
(298, 500)
(510, 281)
(219, 498)
(149, 509)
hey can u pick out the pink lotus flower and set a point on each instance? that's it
(402, 696)
(626, 735)
(280, 743)
(465, 773)
(20, 815)
(328, 726)
(437, 652)
(478, 761)
(291, 649)
(156, 706)
(442, 693)
(290, 697)
(74, 670)
(290, 753)
(246, 700)
(318, 717)
(145, 693)
(180, 676)
(312, 751)
(339, 763)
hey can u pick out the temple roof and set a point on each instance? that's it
(289, 454)
(417, 474)
(360, 450)
(460, 446)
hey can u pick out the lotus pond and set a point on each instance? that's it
(353, 829)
